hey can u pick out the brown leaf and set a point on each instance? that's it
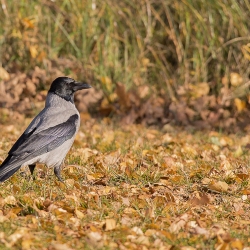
(200, 199)
(30, 87)
(122, 95)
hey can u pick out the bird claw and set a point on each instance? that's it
(57, 171)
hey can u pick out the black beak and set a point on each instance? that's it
(81, 85)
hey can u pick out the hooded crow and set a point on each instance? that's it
(51, 134)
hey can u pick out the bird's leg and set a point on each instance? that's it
(57, 171)
(32, 168)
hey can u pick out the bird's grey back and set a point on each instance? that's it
(56, 111)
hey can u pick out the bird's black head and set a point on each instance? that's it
(65, 87)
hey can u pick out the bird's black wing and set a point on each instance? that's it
(33, 144)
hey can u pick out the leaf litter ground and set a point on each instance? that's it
(131, 187)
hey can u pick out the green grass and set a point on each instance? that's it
(158, 43)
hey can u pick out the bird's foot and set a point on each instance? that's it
(32, 168)
(57, 171)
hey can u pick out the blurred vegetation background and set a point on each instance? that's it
(170, 46)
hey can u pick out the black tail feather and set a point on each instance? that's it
(8, 164)
(8, 174)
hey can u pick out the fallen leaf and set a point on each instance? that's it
(240, 104)
(59, 246)
(33, 51)
(95, 239)
(122, 95)
(110, 224)
(137, 230)
(235, 79)
(219, 186)
(4, 75)
(179, 223)
(10, 200)
(237, 244)
(238, 152)
(196, 229)
(13, 238)
(200, 89)
(79, 214)
(144, 240)
(200, 199)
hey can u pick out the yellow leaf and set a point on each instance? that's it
(200, 89)
(187, 248)
(79, 214)
(70, 182)
(4, 75)
(236, 244)
(238, 152)
(246, 51)
(26, 244)
(225, 80)
(226, 141)
(145, 61)
(240, 105)
(236, 79)
(59, 246)
(33, 51)
(110, 224)
(106, 81)
(151, 232)
(189, 150)
(130, 211)
(206, 181)
(176, 178)
(226, 165)
(41, 56)
(243, 176)
(167, 138)
(219, 186)
(10, 200)
(16, 189)
(16, 210)
(143, 91)
(28, 23)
